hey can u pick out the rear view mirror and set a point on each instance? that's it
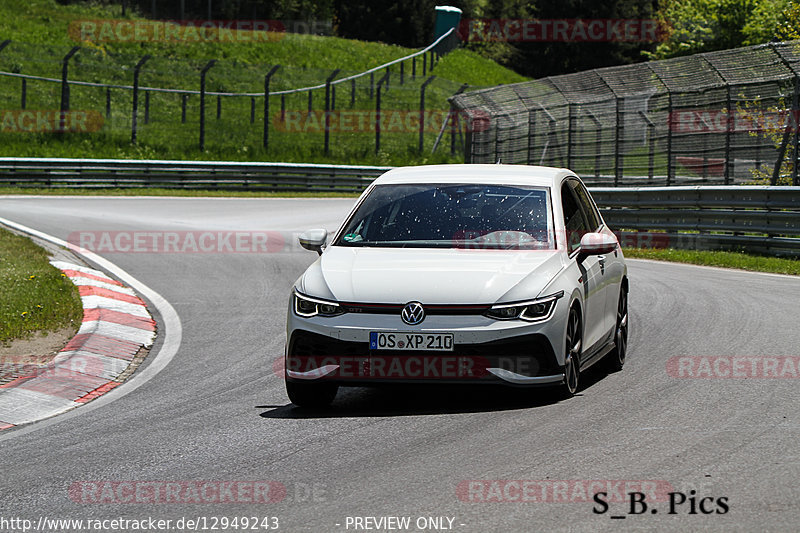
(313, 239)
(596, 244)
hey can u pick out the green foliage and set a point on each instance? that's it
(695, 26)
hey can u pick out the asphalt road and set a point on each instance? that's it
(217, 412)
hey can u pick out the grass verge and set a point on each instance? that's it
(37, 297)
(738, 260)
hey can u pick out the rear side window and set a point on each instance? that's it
(574, 223)
(589, 210)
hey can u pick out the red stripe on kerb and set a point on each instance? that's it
(99, 391)
(102, 345)
(88, 290)
(78, 274)
(63, 383)
(118, 317)
(3, 426)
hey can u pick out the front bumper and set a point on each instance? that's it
(336, 349)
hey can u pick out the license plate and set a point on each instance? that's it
(398, 340)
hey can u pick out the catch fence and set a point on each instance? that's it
(725, 117)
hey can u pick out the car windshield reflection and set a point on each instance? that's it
(451, 216)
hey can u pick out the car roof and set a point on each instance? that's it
(483, 174)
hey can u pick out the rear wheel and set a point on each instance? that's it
(311, 394)
(572, 370)
(616, 357)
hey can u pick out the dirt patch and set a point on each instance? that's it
(24, 356)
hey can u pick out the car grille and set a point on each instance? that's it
(529, 355)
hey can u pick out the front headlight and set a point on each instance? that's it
(306, 306)
(533, 311)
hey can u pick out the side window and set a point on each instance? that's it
(592, 218)
(574, 223)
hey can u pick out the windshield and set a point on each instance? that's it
(451, 216)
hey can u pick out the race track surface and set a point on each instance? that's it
(218, 413)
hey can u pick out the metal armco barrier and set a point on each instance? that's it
(213, 175)
(761, 219)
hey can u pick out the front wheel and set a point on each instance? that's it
(616, 357)
(572, 364)
(311, 394)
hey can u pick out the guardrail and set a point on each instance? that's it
(760, 219)
(212, 175)
(763, 219)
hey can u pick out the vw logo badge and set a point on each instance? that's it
(413, 313)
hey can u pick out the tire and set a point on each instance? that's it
(311, 394)
(573, 342)
(615, 359)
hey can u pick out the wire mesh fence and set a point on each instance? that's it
(722, 117)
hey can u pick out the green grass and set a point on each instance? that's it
(40, 38)
(36, 295)
(739, 260)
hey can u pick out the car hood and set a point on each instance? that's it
(431, 276)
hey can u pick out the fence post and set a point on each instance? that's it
(352, 92)
(65, 87)
(424, 64)
(328, 109)
(728, 104)
(371, 84)
(598, 141)
(793, 121)
(570, 127)
(670, 168)
(776, 173)
(650, 140)
(617, 140)
(531, 134)
(402, 71)
(283, 107)
(24, 94)
(414, 68)
(184, 97)
(108, 102)
(455, 125)
(203, 99)
(310, 102)
(267, 78)
(147, 107)
(252, 109)
(422, 110)
(135, 112)
(219, 107)
(378, 113)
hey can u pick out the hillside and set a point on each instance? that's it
(42, 32)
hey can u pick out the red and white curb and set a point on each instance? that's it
(116, 325)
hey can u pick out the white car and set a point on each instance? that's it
(460, 274)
